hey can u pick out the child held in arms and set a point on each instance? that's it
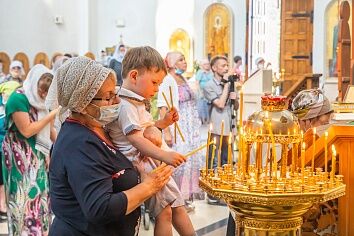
(143, 72)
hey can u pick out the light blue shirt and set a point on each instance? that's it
(203, 77)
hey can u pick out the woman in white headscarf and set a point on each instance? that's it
(184, 99)
(25, 147)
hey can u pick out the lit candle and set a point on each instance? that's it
(334, 154)
(208, 147)
(213, 153)
(313, 149)
(274, 152)
(258, 151)
(229, 154)
(220, 143)
(239, 161)
(303, 161)
(241, 107)
(293, 159)
(175, 126)
(326, 153)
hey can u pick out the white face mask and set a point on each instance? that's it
(108, 113)
(260, 66)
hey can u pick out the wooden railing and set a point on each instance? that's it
(40, 58)
(342, 136)
(307, 82)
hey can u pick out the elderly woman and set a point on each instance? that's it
(25, 147)
(313, 109)
(95, 190)
(187, 175)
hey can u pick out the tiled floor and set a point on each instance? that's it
(203, 216)
(207, 219)
(3, 229)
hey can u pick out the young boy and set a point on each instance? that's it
(143, 72)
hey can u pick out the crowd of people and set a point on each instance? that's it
(79, 141)
(85, 128)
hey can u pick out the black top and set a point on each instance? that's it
(83, 197)
(117, 67)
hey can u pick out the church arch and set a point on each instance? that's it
(180, 41)
(218, 26)
(22, 57)
(5, 61)
(41, 58)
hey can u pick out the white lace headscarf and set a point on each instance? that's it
(30, 87)
(78, 81)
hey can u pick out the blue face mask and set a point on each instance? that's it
(179, 71)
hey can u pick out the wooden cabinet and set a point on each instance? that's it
(342, 136)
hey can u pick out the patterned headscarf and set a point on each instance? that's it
(310, 104)
(172, 58)
(79, 80)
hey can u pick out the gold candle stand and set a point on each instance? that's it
(262, 203)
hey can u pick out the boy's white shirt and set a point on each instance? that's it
(132, 116)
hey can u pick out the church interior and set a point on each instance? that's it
(285, 174)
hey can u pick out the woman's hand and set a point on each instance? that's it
(54, 112)
(157, 178)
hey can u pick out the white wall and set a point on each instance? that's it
(28, 26)
(139, 18)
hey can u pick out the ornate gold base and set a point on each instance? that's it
(258, 220)
(254, 232)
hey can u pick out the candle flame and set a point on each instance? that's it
(304, 146)
(214, 140)
(334, 150)
(266, 114)
(326, 134)
(314, 131)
